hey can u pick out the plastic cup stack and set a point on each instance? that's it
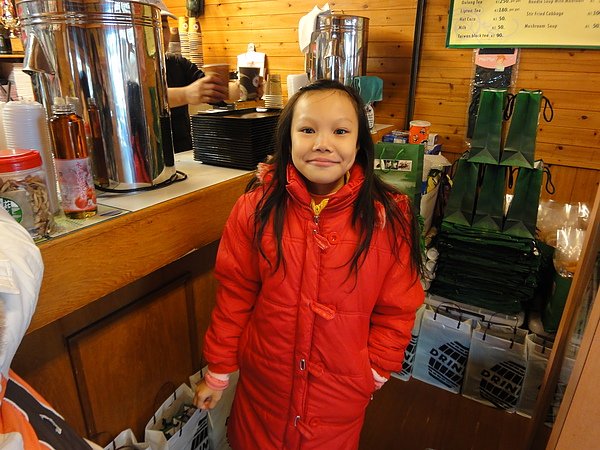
(26, 127)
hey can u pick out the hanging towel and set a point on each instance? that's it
(370, 88)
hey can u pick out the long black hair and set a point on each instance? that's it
(364, 217)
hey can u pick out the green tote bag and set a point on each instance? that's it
(487, 135)
(519, 150)
(463, 196)
(489, 212)
(521, 217)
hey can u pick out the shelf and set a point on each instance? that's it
(18, 56)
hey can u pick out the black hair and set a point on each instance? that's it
(274, 200)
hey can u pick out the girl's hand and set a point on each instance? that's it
(205, 397)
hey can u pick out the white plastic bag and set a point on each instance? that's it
(538, 353)
(411, 348)
(218, 416)
(126, 439)
(496, 366)
(193, 435)
(442, 350)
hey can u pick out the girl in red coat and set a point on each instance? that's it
(318, 272)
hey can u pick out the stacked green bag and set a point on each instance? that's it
(489, 257)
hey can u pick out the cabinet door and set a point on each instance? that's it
(128, 363)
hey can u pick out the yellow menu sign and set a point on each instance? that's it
(524, 23)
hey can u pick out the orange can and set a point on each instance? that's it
(418, 132)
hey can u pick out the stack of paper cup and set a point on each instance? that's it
(194, 35)
(174, 42)
(26, 127)
(184, 40)
(295, 82)
(273, 97)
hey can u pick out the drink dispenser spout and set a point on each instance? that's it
(36, 58)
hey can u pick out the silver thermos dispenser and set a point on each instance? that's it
(338, 48)
(107, 55)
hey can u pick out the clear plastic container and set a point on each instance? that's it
(24, 191)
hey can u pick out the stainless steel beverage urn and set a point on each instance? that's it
(338, 48)
(106, 54)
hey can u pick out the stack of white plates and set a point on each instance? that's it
(26, 127)
(196, 54)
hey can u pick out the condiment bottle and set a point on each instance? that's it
(72, 160)
(24, 192)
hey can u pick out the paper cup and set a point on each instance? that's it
(249, 82)
(418, 132)
(221, 70)
(183, 24)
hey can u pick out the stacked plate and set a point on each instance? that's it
(238, 139)
(196, 55)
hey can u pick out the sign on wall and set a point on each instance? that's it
(524, 23)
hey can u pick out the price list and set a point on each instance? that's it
(524, 23)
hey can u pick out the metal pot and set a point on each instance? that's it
(338, 48)
(109, 51)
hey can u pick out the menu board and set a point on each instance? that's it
(524, 23)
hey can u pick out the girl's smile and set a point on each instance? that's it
(324, 139)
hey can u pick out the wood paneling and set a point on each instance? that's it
(65, 375)
(143, 353)
(570, 78)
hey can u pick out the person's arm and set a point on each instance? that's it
(208, 89)
(393, 318)
(394, 313)
(238, 275)
(21, 271)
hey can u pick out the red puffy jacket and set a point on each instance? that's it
(306, 337)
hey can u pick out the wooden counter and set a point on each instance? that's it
(90, 263)
(125, 303)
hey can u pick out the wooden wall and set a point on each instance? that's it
(570, 78)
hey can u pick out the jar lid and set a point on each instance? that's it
(14, 160)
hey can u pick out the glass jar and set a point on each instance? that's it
(24, 192)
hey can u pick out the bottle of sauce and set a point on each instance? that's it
(72, 160)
